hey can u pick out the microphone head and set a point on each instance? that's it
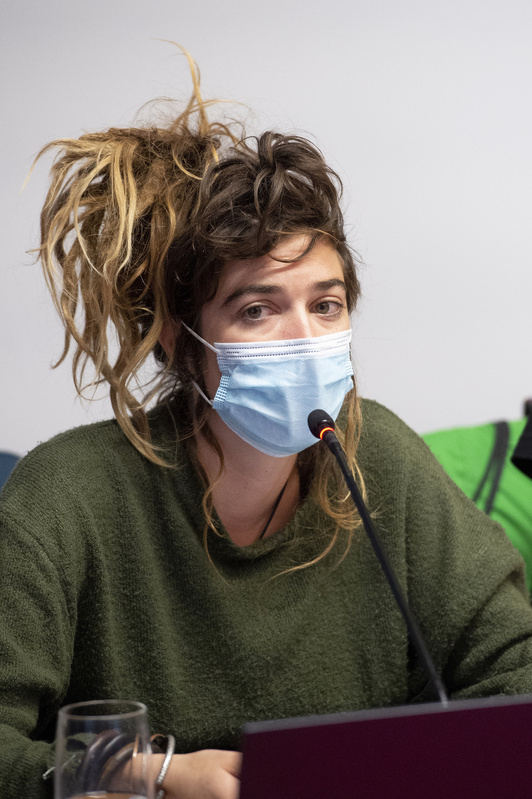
(318, 420)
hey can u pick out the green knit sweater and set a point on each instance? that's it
(106, 591)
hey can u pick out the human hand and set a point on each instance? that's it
(206, 774)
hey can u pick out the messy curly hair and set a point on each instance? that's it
(135, 230)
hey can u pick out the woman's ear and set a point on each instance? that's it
(168, 336)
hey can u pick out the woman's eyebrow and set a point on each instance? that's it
(254, 288)
(270, 288)
(324, 285)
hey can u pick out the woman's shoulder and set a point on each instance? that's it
(65, 471)
(65, 451)
(375, 414)
(394, 458)
(77, 438)
(83, 485)
(84, 449)
(78, 464)
(384, 433)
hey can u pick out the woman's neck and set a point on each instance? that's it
(249, 487)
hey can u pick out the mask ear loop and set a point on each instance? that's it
(196, 335)
(198, 389)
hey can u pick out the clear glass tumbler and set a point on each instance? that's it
(103, 751)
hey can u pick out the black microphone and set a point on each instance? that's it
(321, 425)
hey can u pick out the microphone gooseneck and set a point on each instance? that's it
(321, 425)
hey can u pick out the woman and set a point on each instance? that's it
(203, 557)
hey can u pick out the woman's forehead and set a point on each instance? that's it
(287, 263)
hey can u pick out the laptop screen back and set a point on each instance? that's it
(474, 748)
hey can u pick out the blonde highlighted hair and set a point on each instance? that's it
(136, 227)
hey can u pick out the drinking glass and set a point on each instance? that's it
(103, 751)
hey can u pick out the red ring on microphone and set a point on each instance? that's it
(326, 430)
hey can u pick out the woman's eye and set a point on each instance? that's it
(328, 307)
(254, 312)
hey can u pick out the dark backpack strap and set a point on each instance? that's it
(522, 455)
(495, 465)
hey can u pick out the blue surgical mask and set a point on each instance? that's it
(268, 388)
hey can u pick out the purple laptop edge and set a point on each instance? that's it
(469, 748)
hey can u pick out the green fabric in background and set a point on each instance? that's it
(464, 453)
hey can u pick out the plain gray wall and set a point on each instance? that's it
(425, 110)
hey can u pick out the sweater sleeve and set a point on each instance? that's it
(36, 632)
(464, 579)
